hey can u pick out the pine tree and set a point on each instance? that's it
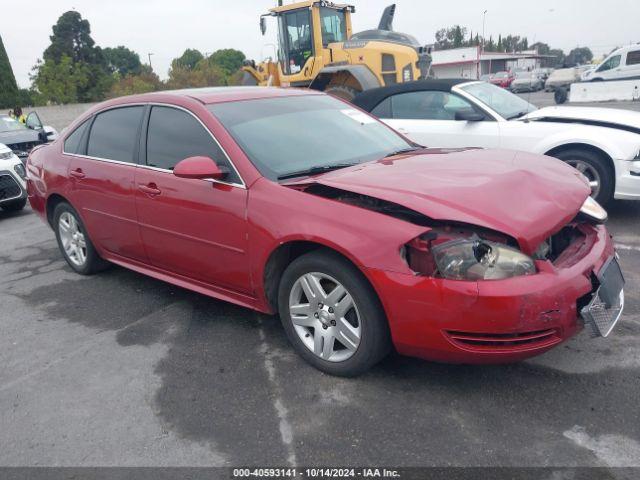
(8, 85)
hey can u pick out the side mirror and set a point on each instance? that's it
(469, 115)
(198, 168)
(263, 25)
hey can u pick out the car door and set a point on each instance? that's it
(191, 227)
(429, 118)
(102, 171)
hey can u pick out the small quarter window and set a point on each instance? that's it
(73, 143)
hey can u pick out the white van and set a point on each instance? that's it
(624, 63)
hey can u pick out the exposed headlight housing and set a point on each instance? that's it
(19, 169)
(594, 210)
(476, 259)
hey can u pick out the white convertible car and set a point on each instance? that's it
(603, 144)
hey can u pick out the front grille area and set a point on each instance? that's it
(491, 342)
(9, 188)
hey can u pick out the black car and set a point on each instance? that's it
(22, 138)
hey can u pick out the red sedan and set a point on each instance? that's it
(296, 203)
(502, 79)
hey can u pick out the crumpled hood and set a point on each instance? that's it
(528, 197)
(589, 115)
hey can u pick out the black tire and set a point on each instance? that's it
(600, 164)
(93, 263)
(561, 96)
(14, 206)
(342, 91)
(375, 339)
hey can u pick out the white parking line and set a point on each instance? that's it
(286, 430)
(632, 248)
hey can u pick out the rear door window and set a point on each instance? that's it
(114, 134)
(174, 135)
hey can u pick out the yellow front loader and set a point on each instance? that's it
(317, 49)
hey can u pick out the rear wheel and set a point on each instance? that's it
(593, 166)
(342, 91)
(331, 315)
(14, 206)
(74, 243)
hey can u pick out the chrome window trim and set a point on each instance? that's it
(157, 169)
(17, 183)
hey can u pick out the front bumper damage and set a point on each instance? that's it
(494, 321)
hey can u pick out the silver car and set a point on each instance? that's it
(527, 82)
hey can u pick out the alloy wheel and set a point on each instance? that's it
(72, 238)
(588, 171)
(325, 317)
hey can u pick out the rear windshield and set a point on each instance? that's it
(291, 134)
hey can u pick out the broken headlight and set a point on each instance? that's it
(592, 209)
(475, 259)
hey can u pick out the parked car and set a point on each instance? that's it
(296, 202)
(13, 187)
(21, 138)
(562, 78)
(603, 144)
(502, 79)
(624, 63)
(527, 82)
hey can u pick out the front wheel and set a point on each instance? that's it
(331, 315)
(595, 168)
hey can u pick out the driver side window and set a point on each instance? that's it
(428, 105)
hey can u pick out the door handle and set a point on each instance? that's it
(77, 173)
(150, 189)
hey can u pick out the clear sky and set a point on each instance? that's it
(167, 27)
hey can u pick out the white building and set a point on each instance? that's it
(472, 62)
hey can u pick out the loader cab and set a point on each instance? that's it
(305, 30)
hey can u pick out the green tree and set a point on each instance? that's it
(123, 61)
(228, 59)
(59, 82)
(72, 38)
(579, 56)
(188, 60)
(204, 74)
(452, 37)
(71, 42)
(8, 85)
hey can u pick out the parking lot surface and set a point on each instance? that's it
(119, 369)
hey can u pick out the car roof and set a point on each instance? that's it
(211, 95)
(369, 99)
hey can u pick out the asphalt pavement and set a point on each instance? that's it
(119, 369)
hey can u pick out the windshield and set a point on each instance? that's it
(505, 103)
(8, 124)
(286, 135)
(501, 75)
